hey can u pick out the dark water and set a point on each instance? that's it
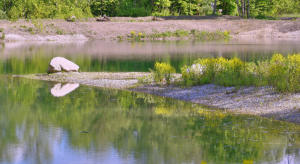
(92, 125)
(26, 58)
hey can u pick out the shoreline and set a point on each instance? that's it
(62, 31)
(260, 101)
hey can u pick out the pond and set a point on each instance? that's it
(46, 122)
(24, 58)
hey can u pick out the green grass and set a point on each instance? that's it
(180, 34)
(162, 72)
(282, 73)
(134, 36)
(296, 15)
(60, 32)
(2, 36)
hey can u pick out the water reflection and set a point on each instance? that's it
(59, 90)
(127, 127)
(126, 56)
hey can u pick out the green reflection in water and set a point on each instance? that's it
(149, 128)
(38, 62)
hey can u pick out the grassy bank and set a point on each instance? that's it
(178, 34)
(280, 72)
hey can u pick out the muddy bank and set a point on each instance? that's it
(58, 30)
(262, 101)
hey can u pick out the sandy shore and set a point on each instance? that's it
(89, 29)
(262, 101)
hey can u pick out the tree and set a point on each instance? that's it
(215, 6)
(243, 8)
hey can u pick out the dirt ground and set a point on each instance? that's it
(121, 26)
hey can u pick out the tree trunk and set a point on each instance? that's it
(238, 7)
(215, 6)
(248, 9)
(243, 9)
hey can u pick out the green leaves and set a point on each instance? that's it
(163, 72)
(282, 73)
(30, 9)
(104, 7)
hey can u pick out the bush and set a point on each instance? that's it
(104, 7)
(2, 36)
(163, 72)
(283, 73)
(3, 15)
(134, 8)
(215, 70)
(46, 9)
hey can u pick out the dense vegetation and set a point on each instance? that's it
(282, 73)
(14, 9)
(178, 34)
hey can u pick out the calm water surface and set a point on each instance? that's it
(20, 58)
(43, 122)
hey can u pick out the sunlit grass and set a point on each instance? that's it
(179, 34)
(282, 73)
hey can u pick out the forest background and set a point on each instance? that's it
(62, 9)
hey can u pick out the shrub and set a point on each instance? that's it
(133, 36)
(60, 32)
(104, 7)
(215, 70)
(3, 36)
(277, 72)
(163, 72)
(293, 62)
(283, 73)
(193, 34)
(3, 14)
(31, 9)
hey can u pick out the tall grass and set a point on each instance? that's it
(180, 34)
(282, 73)
(163, 72)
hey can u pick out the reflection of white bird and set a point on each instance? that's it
(59, 91)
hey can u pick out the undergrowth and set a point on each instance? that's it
(181, 34)
(162, 72)
(282, 73)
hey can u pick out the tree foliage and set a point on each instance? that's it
(45, 8)
(29, 9)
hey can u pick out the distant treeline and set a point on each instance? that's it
(29, 9)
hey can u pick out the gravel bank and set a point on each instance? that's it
(241, 29)
(98, 79)
(262, 101)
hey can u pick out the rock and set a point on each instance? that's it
(59, 64)
(59, 91)
(103, 19)
(157, 19)
(72, 19)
